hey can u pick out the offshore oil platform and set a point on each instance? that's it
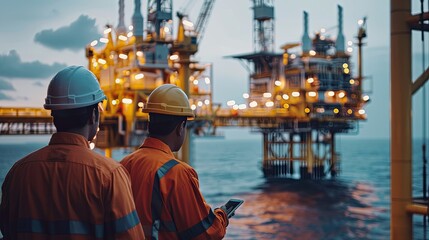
(299, 99)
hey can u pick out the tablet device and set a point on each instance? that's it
(232, 205)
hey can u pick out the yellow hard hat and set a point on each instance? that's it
(168, 99)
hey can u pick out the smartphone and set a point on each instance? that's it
(232, 205)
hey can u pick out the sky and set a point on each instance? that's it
(38, 38)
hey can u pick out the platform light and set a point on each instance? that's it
(140, 104)
(93, 43)
(365, 98)
(361, 111)
(187, 23)
(174, 57)
(104, 40)
(352, 81)
(349, 111)
(114, 102)
(286, 105)
(346, 71)
(130, 34)
(322, 38)
(207, 80)
(242, 106)
(336, 111)
(292, 56)
(285, 96)
(341, 94)
(131, 27)
(312, 94)
(166, 29)
(345, 65)
(331, 93)
(307, 110)
(267, 95)
(118, 81)
(349, 49)
(94, 64)
(193, 107)
(127, 100)
(230, 103)
(122, 38)
(295, 94)
(253, 104)
(195, 82)
(123, 56)
(360, 22)
(278, 97)
(139, 54)
(206, 102)
(139, 76)
(312, 53)
(310, 80)
(278, 83)
(320, 110)
(349, 43)
(200, 103)
(107, 30)
(235, 107)
(269, 104)
(101, 61)
(323, 30)
(245, 95)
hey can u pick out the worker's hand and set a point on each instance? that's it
(224, 209)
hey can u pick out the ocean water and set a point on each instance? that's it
(355, 205)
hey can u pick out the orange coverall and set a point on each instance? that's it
(67, 191)
(167, 196)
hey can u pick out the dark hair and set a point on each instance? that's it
(162, 124)
(73, 118)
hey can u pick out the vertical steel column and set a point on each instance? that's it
(309, 153)
(400, 128)
(333, 156)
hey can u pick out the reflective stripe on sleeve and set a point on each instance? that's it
(124, 223)
(198, 228)
(156, 204)
(72, 227)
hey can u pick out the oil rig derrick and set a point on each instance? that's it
(299, 101)
(132, 62)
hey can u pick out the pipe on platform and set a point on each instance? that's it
(417, 209)
(400, 124)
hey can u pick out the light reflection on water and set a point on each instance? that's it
(293, 209)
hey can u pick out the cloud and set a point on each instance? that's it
(5, 97)
(73, 37)
(5, 85)
(12, 66)
(39, 84)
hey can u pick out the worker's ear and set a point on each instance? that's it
(180, 127)
(93, 118)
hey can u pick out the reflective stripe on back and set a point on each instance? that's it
(198, 228)
(156, 204)
(72, 227)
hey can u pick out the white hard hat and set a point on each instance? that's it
(73, 87)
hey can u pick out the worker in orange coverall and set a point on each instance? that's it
(65, 190)
(166, 190)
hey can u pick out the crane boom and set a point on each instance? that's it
(203, 18)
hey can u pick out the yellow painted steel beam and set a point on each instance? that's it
(400, 124)
(421, 80)
(417, 209)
